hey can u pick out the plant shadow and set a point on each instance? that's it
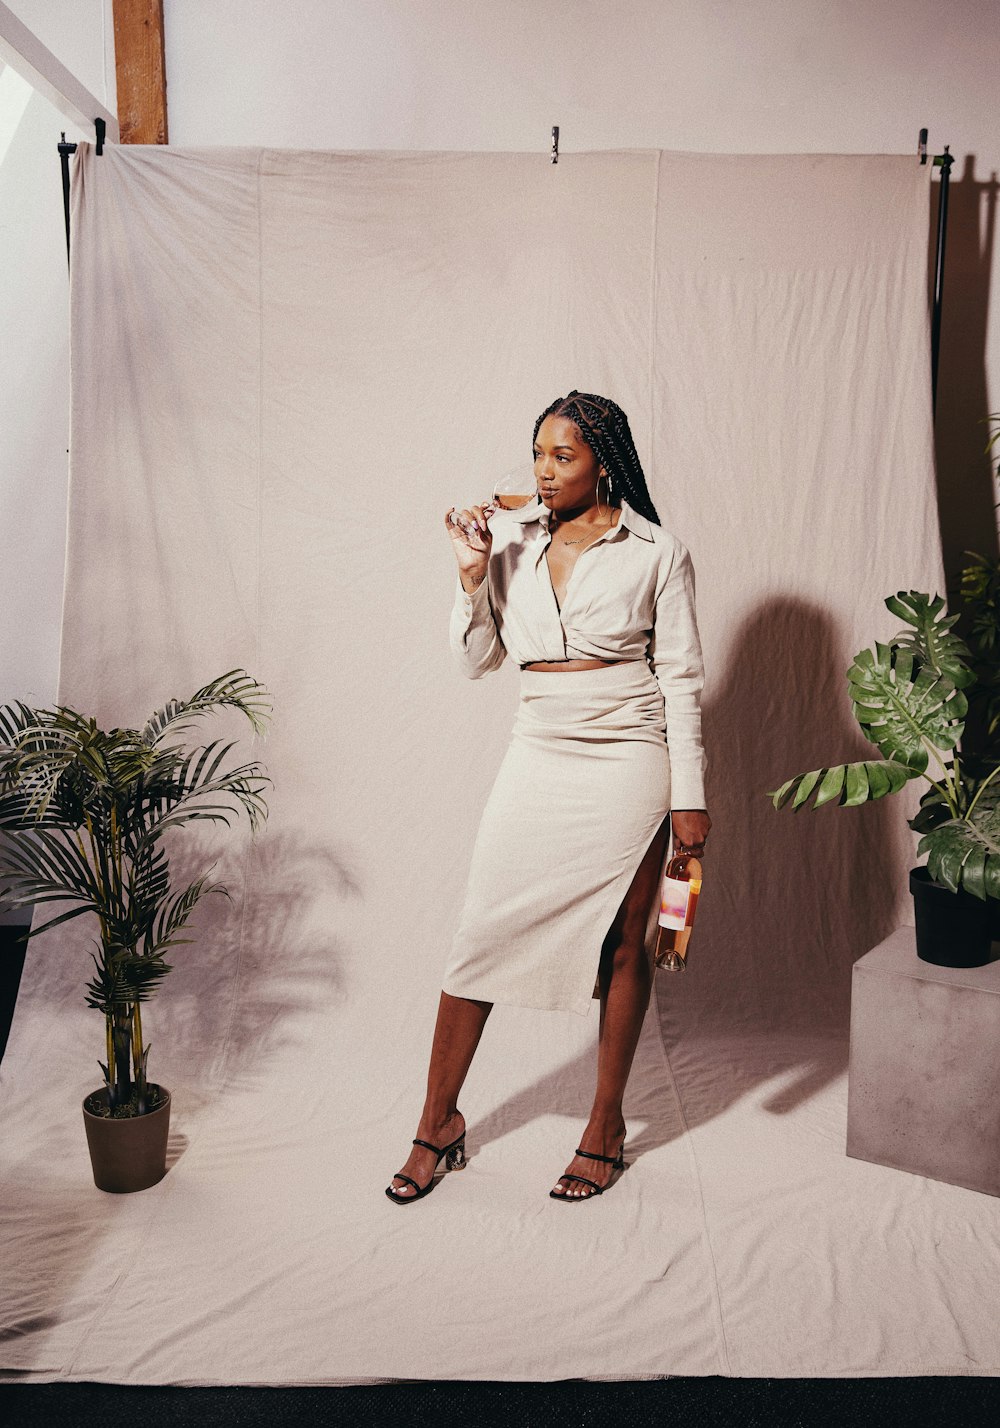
(237, 996)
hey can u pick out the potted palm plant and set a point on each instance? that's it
(83, 814)
(911, 697)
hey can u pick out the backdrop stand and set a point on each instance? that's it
(944, 161)
(100, 128)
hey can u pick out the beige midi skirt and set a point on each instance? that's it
(582, 790)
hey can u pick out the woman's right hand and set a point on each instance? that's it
(472, 542)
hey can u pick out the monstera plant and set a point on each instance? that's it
(911, 697)
(930, 703)
(83, 814)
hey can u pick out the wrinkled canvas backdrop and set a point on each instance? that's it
(286, 366)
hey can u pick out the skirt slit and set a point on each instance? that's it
(579, 797)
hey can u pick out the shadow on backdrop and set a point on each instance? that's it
(964, 472)
(791, 899)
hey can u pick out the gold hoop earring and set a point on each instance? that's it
(598, 491)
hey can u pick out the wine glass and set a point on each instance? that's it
(516, 487)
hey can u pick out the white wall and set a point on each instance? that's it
(80, 34)
(725, 75)
(794, 76)
(34, 351)
(840, 76)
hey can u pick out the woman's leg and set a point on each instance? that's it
(459, 1026)
(626, 979)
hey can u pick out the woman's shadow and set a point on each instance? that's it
(791, 899)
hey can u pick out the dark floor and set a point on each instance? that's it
(666, 1403)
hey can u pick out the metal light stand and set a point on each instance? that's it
(944, 162)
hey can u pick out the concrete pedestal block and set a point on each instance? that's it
(924, 1075)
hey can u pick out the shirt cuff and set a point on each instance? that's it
(687, 784)
(473, 603)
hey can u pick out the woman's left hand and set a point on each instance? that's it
(690, 829)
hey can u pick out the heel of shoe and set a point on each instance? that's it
(455, 1159)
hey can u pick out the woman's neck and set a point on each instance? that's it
(594, 515)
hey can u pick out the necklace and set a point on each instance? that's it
(576, 542)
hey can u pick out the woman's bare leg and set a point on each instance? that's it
(459, 1026)
(626, 979)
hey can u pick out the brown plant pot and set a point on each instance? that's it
(130, 1153)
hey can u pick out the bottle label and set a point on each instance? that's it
(677, 898)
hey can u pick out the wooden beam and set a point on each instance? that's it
(140, 68)
(29, 58)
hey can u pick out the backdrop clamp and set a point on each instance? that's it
(100, 129)
(64, 152)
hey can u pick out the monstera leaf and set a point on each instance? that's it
(931, 640)
(934, 810)
(844, 784)
(908, 698)
(903, 705)
(965, 852)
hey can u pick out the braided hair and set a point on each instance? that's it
(604, 427)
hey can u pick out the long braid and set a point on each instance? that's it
(604, 427)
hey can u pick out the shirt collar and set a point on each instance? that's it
(537, 510)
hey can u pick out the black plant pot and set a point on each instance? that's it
(954, 929)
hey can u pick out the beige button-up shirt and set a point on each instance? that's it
(630, 596)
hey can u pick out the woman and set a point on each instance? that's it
(584, 589)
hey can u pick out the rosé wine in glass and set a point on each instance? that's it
(511, 491)
(516, 487)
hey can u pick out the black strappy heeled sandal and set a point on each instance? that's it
(454, 1160)
(617, 1161)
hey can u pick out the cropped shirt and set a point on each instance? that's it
(630, 595)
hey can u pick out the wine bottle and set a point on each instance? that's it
(679, 891)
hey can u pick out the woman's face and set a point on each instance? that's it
(566, 470)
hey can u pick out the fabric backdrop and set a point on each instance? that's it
(286, 366)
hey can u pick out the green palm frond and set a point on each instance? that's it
(123, 978)
(176, 913)
(84, 811)
(991, 418)
(36, 764)
(236, 689)
(148, 887)
(15, 813)
(981, 593)
(45, 868)
(54, 921)
(172, 799)
(13, 719)
(981, 588)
